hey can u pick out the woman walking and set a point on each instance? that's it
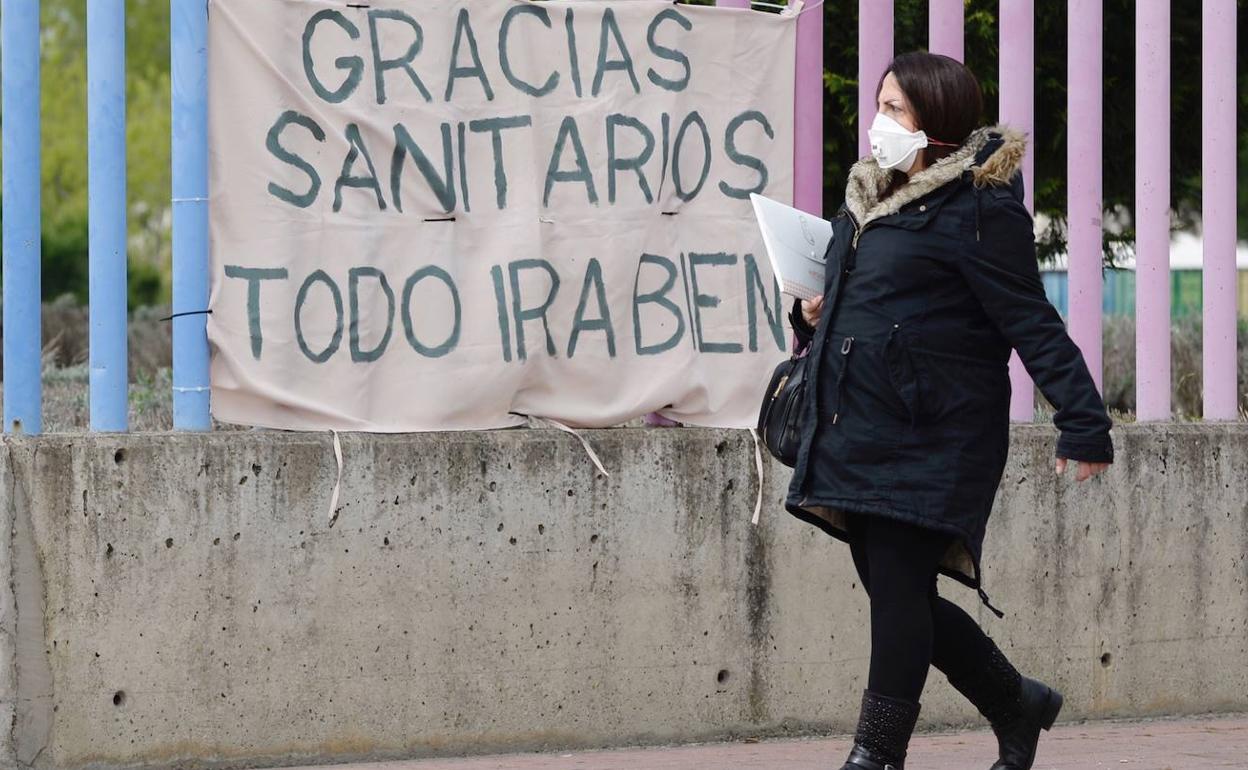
(931, 281)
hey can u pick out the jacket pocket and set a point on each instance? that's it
(962, 393)
(901, 372)
(861, 417)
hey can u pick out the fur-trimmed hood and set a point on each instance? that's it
(867, 180)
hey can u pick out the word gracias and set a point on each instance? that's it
(568, 160)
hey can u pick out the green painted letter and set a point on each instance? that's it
(658, 297)
(754, 280)
(435, 351)
(504, 59)
(636, 163)
(593, 280)
(358, 354)
(274, 145)
(521, 314)
(354, 65)
(668, 53)
(568, 130)
(345, 178)
(701, 300)
(496, 126)
(741, 159)
(443, 187)
(463, 28)
(692, 119)
(253, 276)
(404, 62)
(625, 62)
(302, 297)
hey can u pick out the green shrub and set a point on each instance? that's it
(64, 257)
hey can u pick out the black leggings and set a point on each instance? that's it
(912, 627)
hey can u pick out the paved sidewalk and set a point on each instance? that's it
(1189, 744)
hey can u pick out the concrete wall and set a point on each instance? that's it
(181, 599)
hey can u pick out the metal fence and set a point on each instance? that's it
(19, 45)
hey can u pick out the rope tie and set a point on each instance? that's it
(333, 498)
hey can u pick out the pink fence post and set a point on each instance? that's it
(875, 51)
(808, 112)
(1152, 211)
(1083, 179)
(947, 28)
(1018, 89)
(1018, 69)
(1218, 99)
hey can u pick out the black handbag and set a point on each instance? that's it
(780, 418)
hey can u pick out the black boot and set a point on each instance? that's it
(1018, 708)
(884, 728)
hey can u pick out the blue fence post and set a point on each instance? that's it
(189, 52)
(106, 205)
(19, 73)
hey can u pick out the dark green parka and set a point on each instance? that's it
(926, 293)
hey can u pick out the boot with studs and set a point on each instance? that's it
(1018, 708)
(884, 728)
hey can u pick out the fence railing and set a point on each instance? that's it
(188, 38)
(19, 71)
(19, 44)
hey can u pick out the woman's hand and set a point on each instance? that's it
(1086, 470)
(811, 310)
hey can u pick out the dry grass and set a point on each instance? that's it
(65, 338)
(66, 408)
(66, 405)
(1187, 379)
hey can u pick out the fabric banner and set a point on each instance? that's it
(446, 215)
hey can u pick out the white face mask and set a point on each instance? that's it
(892, 145)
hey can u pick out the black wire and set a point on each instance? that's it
(191, 312)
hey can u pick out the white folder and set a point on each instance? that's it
(797, 243)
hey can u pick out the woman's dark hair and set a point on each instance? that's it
(947, 100)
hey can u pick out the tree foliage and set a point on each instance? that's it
(64, 137)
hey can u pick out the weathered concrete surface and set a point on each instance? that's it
(181, 599)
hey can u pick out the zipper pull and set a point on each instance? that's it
(780, 386)
(846, 346)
